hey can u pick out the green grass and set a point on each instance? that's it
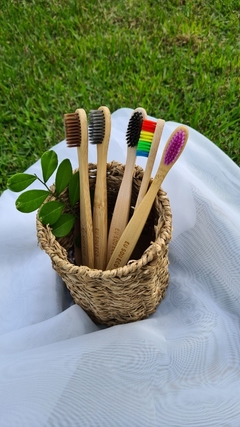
(178, 59)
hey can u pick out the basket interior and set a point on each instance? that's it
(114, 178)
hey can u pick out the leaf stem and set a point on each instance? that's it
(52, 193)
(42, 182)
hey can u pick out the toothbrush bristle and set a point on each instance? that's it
(96, 127)
(72, 129)
(175, 146)
(146, 137)
(134, 129)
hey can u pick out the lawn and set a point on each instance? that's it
(178, 59)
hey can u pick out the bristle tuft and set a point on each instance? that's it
(72, 129)
(134, 129)
(146, 137)
(96, 128)
(175, 146)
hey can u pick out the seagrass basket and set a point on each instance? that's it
(125, 294)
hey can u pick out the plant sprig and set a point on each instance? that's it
(52, 211)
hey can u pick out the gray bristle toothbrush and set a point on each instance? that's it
(99, 134)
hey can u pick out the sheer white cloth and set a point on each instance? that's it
(181, 366)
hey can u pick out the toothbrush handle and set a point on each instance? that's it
(100, 214)
(122, 205)
(86, 226)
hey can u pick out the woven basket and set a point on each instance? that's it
(125, 294)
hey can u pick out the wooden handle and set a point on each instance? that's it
(150, 161)
(100, 214)
(86, 226)
(122, 205)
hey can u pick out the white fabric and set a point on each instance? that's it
(181, 366)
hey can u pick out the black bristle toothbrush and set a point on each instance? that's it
(99, 133)
(122, 206)
(76, 128)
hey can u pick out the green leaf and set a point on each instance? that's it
(74, 189)
(49, 162)
(63, 176)
(31, 200)
(20, 181)
(50, 212)
(64, 225)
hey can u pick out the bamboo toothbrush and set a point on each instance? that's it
(122, 206)
(99, 133)
(149, 142)
(76, 128)
(129, 238)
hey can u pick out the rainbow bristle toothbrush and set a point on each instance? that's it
(130, 236)
(148, 146)
(76, 128)
(99, 133)
(146, 137)
(122, 206)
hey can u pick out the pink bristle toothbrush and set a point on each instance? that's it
(132, 232)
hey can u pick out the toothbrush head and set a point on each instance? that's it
(146, 137)
(74, 127)
(175, 145)
(99, 126)
(134, 129)
(96, 126)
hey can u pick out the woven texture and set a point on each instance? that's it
(124, 294)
